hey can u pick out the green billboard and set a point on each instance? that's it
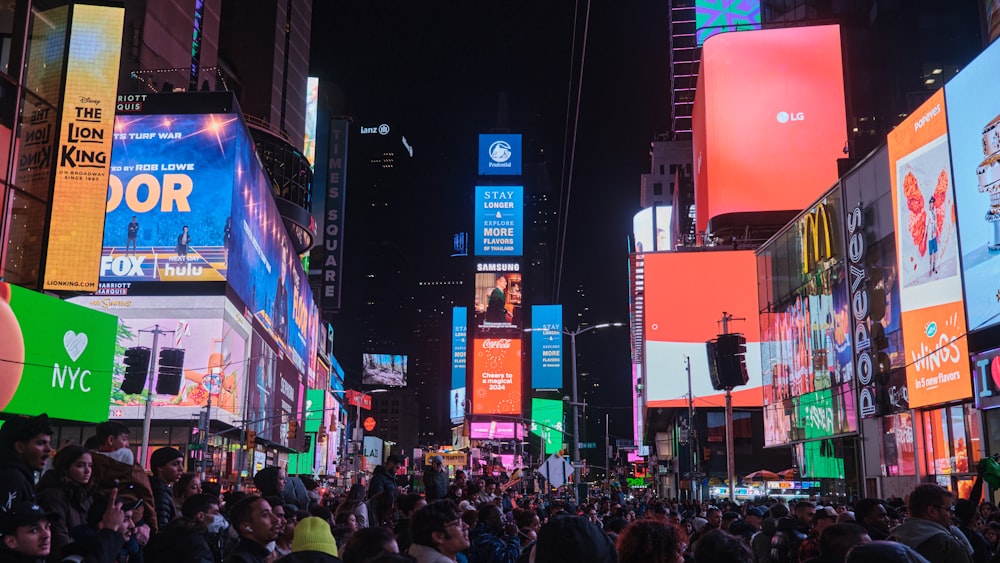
(547, 422)
(55, 357)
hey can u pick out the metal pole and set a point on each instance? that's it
(144, 456)
(730, 457)
(691, 432)
(359, 447)
(607, 451)
(576, 420)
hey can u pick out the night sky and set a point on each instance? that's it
(437, 68)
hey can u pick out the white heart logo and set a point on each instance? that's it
(75, 344)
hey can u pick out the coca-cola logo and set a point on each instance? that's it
(496, 344)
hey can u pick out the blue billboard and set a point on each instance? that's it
(499, 220)
(499, 155)
(169, 197)
(459, 328)
(546, 347)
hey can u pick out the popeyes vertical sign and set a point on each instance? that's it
(79, 195)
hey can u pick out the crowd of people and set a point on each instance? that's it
(94, 503)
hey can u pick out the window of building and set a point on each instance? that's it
(657, 188)
(952, 442)
(898, 452)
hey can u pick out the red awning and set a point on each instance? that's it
(752, 397)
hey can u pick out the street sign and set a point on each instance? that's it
(588, 445)
(556, 470)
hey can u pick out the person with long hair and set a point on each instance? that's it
(187, 485)
(355, 504)
(651, 541)
(67, 490)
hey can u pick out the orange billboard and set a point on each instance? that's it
(769, 121)
(496, 379)
(676, 326)
(930, 284)
(79, 195)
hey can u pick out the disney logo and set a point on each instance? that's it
(89, 100)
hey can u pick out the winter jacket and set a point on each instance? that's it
(248, 551)
(118, 470)
(424, 554)
(180, 540)
(309, 557)
(435, 484)
(164, 501)
(382, 482)
(933, 541)
(71, 502)
(981, 550)
(490, 547)
(295, 493)
(760, 543)
(17, 481)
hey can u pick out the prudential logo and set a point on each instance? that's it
(500, 153)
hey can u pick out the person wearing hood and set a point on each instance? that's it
(270, 481)
(25, 445)
(295, 492)
(929, 530)
(114, 467)
(760, 543)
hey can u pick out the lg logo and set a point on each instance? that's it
(785, 117)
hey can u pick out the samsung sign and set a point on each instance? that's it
(499, 155)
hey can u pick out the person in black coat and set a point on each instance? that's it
(166, 464)
(384, 478)
(258, 528)
(25, 445)
(184, 539)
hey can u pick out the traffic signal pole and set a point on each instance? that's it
(144, 454)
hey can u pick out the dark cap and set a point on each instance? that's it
(756, 511)
(163, 456)
(826, 512)
(731, 516)
(395, 458)
(23, 514)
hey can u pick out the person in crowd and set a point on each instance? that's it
(369, 543)
(457, 488)
(166, 465)
(67, 490)
(885, 552)
(187, 485)
(969, 525)
(115, 467)
(713, 521)
(574, 539)
(823, 519)
(435, 480)
(718, 545)
(407, 504)
(282, 544)
(649, 541)
(257, 527)
(837, 540)
(270, 481)
(728, 519)
(487, 493)
(439, 534)
(25, 445)
(760, 544)
(871, 514)
(107, 536)
(346, 519)
(384, 479)
(791, 532)
(494, 540)
(295, 492)
(313, 543)
(26, 530)
(528, 525)
(355, 504)
(929, 531)
(185, 538)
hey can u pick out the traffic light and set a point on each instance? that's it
(251, 439)
(321, 435)
(171, 373)
(293, 429)
(136, 369)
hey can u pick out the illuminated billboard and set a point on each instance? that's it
(499, 154)
(456, 404)
(547, 423)
(169, 219)
(459, 346)
(499, 220)
(498, 298)
(920, 172)
(383, 370)
(546, 347)
(780, 152)
(496, 376)
(312, 109)
(718, 16)
(677, 326)
(973, 128)
(651, 231)
(57, 357)
(213, 335)
(81, 176)
(495, 430)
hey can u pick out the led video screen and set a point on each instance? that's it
(384, 370)
(497, 304)
(780, 153)
(496, 376)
